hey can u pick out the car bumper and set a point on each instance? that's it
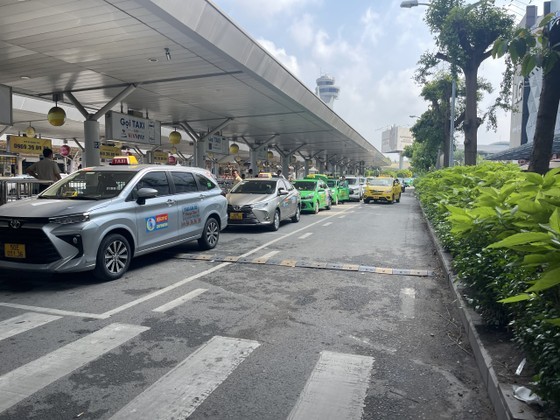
(254, 217)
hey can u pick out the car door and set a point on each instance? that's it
(322, 192)
(157, 219)
(289, 202)
(188, 199)
(209, 201)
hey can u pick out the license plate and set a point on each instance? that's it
(14, 250)
(236, 216)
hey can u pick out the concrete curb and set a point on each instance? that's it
(501, 395)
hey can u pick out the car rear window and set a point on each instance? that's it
(184, 182)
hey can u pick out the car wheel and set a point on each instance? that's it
(210, 234)
(392, 200)
(113, 257)
(276, 222)
(297, 216)
(366, 200)
(316, 207)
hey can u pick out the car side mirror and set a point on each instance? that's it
(282, 191)
(144, 193)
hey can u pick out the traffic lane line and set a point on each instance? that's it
(178, 393)
(24, 322)
(24, 381)
(336, 388)
(179, 301)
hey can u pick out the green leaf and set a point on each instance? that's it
(534, 178)
(518, 298)
(521, 239)
(550, 279)
(554, 321)
(555, 221)
(528, 64)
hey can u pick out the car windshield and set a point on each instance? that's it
(352, 181)
(89, 185)
(305, 185)
(255, 187)
(331, 183)
(385, 182)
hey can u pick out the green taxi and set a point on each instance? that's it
(340, 190)
(382, 189)
(314, 194)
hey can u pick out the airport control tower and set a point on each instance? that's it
(326, 90)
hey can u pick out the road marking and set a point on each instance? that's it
(178, 393)
(336, 388)
(264, 258)
(408, 297)
(24, 381)
(342, 217)
(18, 324)
(328, 223)
(306, 235)
(179, 301)
(288, 263)
(54, 311)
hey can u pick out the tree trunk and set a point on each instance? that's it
(471, 118)
(546, 120)
(446, 126)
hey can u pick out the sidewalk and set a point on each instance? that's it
(506, 406)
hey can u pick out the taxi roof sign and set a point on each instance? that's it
(124, 160)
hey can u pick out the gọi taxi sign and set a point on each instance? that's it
(28, 145)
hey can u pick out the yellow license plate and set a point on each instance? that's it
(236, 216)
(14, 250)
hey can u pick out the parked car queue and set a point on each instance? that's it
(98, 219)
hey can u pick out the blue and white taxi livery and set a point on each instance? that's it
(100, 218)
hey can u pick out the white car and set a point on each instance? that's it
(356, 186)
(100, 218)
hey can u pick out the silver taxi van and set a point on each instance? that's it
(99, 218)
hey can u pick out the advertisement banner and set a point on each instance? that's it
(109, 152)
(28, 145)
(160, 157)
(132, 130)
(262, 153)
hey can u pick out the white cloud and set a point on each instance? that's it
(302, 30)
(289, 61)
(269, 8)
(372, 26)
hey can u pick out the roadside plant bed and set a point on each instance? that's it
(502, 228)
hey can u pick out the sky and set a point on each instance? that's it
(370, 47)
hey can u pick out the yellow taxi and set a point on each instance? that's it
(382, 189)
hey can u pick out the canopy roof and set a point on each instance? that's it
(523, 152)
(187, 64)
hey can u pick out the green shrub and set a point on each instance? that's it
(502, 228)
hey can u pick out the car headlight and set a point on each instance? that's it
(69, 219)
(260, 205)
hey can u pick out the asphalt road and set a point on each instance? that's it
(343, 315)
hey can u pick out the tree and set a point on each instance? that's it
(538, 49)
(463, 34)
(428, 138)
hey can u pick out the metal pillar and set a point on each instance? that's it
(91, 141)
(306, 167)
(200, 160)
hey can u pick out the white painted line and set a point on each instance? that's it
(164, 290)
(269, 255)
(180, 301)
(336, 388)
(306, 235)
(54, 311)
(24, 322)
(408, 297)
(24, 381)
(342, 217)
(177, 394)
(328, 223)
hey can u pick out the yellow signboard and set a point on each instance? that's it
(160, 157)
(109, 152)
(28, 145)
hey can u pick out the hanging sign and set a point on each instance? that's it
(217, 144)
(28, 145)
(131, 129)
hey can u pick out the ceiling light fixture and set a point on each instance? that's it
(167, 54)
